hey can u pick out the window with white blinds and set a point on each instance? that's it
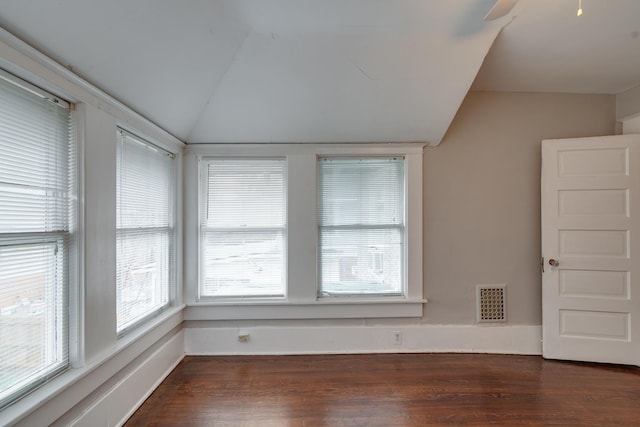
(243, 227)
(361, 226)
(144, 222)
(37, 196)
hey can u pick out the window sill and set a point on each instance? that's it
(347, 308)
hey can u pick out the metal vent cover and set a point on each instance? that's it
(491, 303)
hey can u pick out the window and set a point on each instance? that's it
(243, 228)
(37, 196)
(361, 226)
(144, 222)
(303, 231)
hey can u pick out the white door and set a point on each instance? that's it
(591, 249)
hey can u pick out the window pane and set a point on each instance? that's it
(243, 263)
(361, 261)
(144, 179)
(144, 219)
(361, 191)
(243, 224)
(245, 193)
(34, 163)
(361, 226)
(31, 302)
(37, 184)
(143, 274)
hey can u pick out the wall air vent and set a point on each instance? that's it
(491, 303)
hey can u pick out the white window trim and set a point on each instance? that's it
(302, 301)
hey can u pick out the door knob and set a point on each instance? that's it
(553, 263)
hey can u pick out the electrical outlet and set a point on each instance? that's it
(243, 336)
(397, 337)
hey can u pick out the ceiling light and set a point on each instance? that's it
(579, 8)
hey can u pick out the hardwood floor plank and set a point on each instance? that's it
(392, 390)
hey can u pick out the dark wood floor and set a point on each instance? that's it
(392, 390)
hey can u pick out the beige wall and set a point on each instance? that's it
(631, 125)
(482, 206)
(628, 103)
(482, 198)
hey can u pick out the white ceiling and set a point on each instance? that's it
(327, 70)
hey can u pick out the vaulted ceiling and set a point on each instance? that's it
(327, 70)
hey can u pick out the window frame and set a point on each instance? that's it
(203, 191)
(357, 227)
(302, 301)
(66, 241)
(170, 232)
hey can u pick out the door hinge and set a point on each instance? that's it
(542, 264)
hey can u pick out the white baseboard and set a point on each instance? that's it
(503, 339)
(121, 401)
(115, 406)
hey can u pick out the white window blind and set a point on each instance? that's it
(361, 226)
(37, 195)
(144, 221)
(243, 227)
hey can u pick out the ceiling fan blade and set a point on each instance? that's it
(500, 9)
